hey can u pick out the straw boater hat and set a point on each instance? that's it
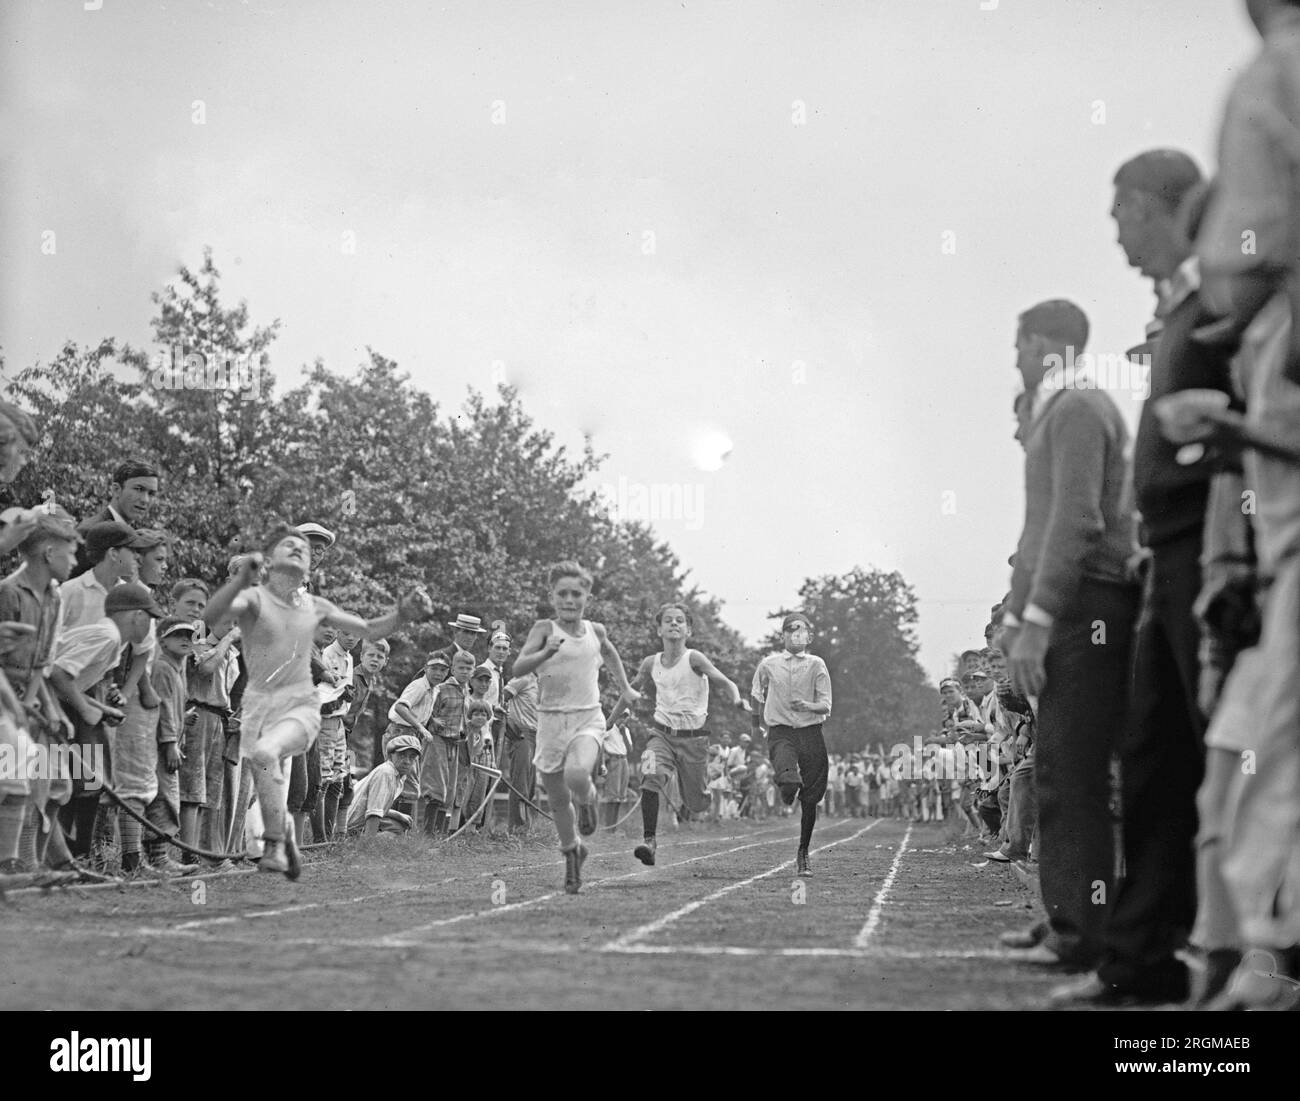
(467, 623)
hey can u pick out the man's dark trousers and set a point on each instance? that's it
(1162, 761)
(517, 750)
(802, 748)
(1080, 713)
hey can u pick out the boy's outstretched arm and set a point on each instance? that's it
(639, 683)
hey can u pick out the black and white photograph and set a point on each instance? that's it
(650, 505)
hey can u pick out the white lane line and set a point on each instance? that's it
(659, 924)
(830, 953)
(231, 919)
(877, 906)
(595, 883)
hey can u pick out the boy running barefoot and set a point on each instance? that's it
(280, 709)
(679, 745)
(566, 652)
(794, 690)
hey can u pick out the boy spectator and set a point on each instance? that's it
(613, 793)
(148, 754)
(374, 802)
(84, 657)
(204, 774)
(110, 552)
(519, 747)
(30, 597)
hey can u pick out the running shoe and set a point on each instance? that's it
(588, 818)
(573, 861)
(801, 863)
(645, 852)
(274, 858)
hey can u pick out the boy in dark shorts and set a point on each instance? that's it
(679, 743)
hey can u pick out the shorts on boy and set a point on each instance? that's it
(203, 748)
(682, 755)
(558, 730)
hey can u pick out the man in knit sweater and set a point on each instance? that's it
(1159, 198)
(1068, 621)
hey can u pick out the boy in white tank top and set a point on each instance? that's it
(281, 710)
(679, 743)
(566, 653)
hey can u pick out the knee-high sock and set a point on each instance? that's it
(557, 794)
(806, 823)
(27, 838)
(132, 832)
(330, 808)
(13, 812)
(649, 812)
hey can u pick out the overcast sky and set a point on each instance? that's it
(799, 231)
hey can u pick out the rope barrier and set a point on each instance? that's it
(627, 815)
(88, 772)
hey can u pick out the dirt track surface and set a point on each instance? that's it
(894, 917)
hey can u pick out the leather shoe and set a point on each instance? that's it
(1024, 938)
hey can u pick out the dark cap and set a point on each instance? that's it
(132, 597)
(107, 534)
(173, 623)
(481, 671)
(793, 618)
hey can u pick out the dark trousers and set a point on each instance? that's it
(803, 749)
(1080, 713)
(517, 768)
(77, 815)
(304, 788)
(1162, 761)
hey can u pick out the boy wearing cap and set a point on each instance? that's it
(677, 748)
(148, 756)
(111, 554)
(373, 810)
(83, 658)
(440, 718)
(29, 598)
(280, 709)
(793, 690)
(478, 746)
(566, 653)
